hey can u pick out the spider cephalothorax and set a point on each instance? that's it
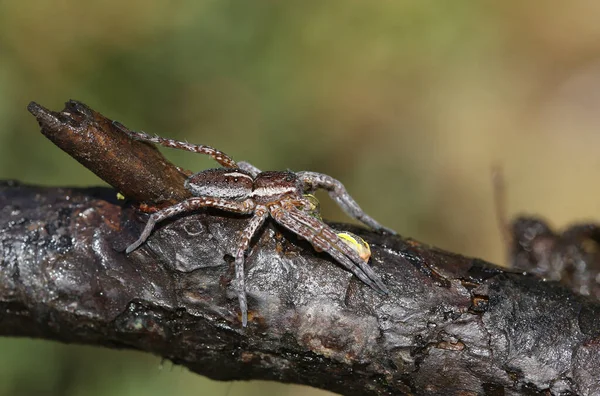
(282, 195)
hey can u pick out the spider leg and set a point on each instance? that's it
(260, 215)
(219, 156)
(323, 238)
(338, 193)
(248, 167)
(339, 245)
(190, 204)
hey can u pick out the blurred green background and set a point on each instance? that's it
(409, 103)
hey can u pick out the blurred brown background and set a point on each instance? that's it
(409, 103)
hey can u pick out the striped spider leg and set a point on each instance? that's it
(289, 214)
(314, 181)
(189, 205)
(219, 156)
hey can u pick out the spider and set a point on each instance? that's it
(282, 195)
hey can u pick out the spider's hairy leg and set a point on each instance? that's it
(340, 247)
(323, 238)
(338, 193)
(219, 156)
(260, 215)
(248, 167)
(190, 204)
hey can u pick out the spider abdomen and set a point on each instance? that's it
(221, 183)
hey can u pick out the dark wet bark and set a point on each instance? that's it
(450, 325)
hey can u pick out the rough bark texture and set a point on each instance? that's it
(450, 325)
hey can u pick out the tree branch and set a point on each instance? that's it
(451, 325)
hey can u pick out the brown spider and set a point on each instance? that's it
(242, 188)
